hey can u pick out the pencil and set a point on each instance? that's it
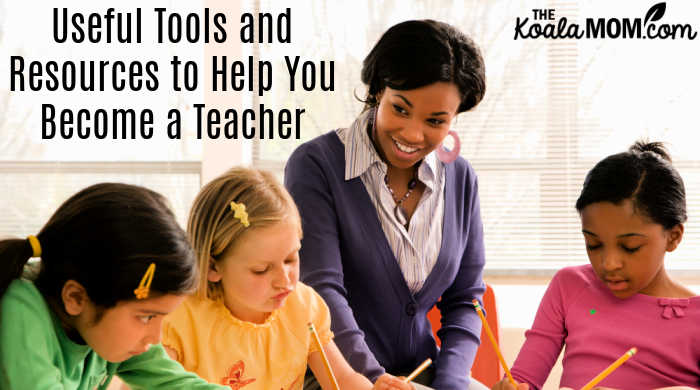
(610, 369)
(323, 355)
(418, 370)
(493, 341)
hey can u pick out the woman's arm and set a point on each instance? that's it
(461, 326)
(347, 377)
(321, 262)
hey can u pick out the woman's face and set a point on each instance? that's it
(413, 123)
(627, 250)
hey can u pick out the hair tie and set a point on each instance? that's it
(240, 213)
(36, 247)
(145, 286)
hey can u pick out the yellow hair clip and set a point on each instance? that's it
(145, 286)
(240, 213)
(36, 247)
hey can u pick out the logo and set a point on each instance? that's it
(544, 24)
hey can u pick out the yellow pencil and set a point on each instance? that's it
(493, 341)
(418, 370)
(323, 355)
(610, 369)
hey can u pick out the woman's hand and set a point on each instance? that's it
(505, 384)
(387, 382)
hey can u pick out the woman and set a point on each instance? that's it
(391, 219)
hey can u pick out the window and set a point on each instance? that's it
(37, 174)
(553, 108)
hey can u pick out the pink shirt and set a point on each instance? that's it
(580, 312)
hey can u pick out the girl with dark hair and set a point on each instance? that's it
(113, 262)
(391, 218)
(632, 210)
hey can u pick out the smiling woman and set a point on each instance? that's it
(410, 124)
(392, 225)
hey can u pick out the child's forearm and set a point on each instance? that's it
(353, 380)
(346, 377)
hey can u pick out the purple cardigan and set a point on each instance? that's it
(378, 324)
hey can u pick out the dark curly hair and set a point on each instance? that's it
(417, 53)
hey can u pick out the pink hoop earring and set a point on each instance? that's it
(447, 156)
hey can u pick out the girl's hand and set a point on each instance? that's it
(505, 384)
(388, 382)
(346, 376)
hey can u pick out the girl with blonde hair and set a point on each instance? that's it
(248, 325)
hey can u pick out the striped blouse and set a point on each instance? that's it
(416, 250)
